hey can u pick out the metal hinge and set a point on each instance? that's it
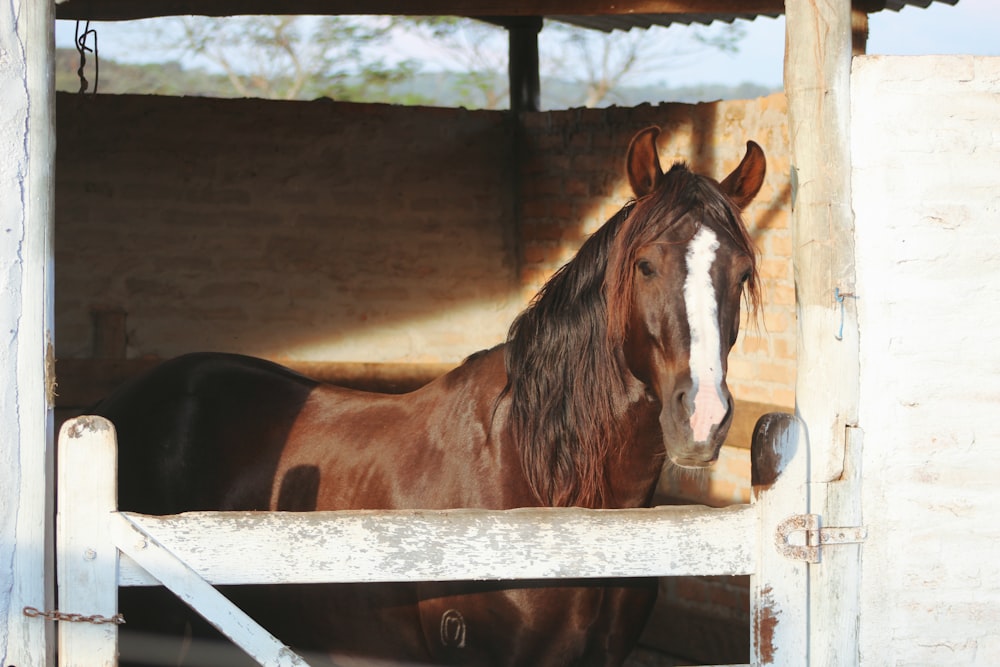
(815, 537)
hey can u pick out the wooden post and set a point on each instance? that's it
(859, 31)
(817, 83)
(110, 337)
(525, 89)
(27, 156)
(87, 559)
(779, 586)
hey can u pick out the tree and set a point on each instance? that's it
(600, 62)
(291, 57)
(476, 50)
(610, 61)
(352, 59)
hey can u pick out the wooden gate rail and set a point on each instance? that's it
(100, 548)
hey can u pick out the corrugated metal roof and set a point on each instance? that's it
(625, 22)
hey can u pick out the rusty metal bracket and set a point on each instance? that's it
(815, 537)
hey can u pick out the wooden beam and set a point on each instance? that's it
(859, 31)
(363, 546)
(525, 85)
(817, 83)
(27, 169)
(117, 10)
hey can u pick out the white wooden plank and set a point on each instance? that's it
(196, 592)
(87, 561)
(313, 547)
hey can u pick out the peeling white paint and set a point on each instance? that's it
(27, 158)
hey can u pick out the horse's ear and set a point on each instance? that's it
(643, 163)
(744, 183)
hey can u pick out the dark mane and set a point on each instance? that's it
(564, 378)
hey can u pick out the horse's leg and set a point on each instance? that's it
(626, 608)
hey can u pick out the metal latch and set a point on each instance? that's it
(815, 536)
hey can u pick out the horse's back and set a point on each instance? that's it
(219, 431)
(203, 432)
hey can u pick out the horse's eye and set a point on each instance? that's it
(744, 278)
(646, 268)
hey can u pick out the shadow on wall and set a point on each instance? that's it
(316, 230)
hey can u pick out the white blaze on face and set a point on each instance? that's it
(708, 406)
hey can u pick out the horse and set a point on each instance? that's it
(616, 366)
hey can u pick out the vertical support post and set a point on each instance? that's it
(27, 156)
(859, 31)
(525, 86)
(87, 559)
(110, 337)
(779, 596)
(817, 83)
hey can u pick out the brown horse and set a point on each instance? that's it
(617, 365)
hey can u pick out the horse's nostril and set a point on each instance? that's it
(682, 402)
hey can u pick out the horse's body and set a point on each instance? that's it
(618, 364)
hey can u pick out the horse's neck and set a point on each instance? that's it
(633, 474)
(631, 469)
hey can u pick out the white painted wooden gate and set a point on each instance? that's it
(100, 548)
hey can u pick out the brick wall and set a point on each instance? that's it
(304, 230)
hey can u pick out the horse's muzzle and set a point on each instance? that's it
(686, 452)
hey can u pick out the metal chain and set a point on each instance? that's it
(56, 615)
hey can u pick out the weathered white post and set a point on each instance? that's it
(27, 159)
(779, 595)
(817, 83)
(779, 584)
(87, 558)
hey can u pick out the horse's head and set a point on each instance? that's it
(684, 262)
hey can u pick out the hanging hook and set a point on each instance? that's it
(82, 48)
(840, 299)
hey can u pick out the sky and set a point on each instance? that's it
(970, 27)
